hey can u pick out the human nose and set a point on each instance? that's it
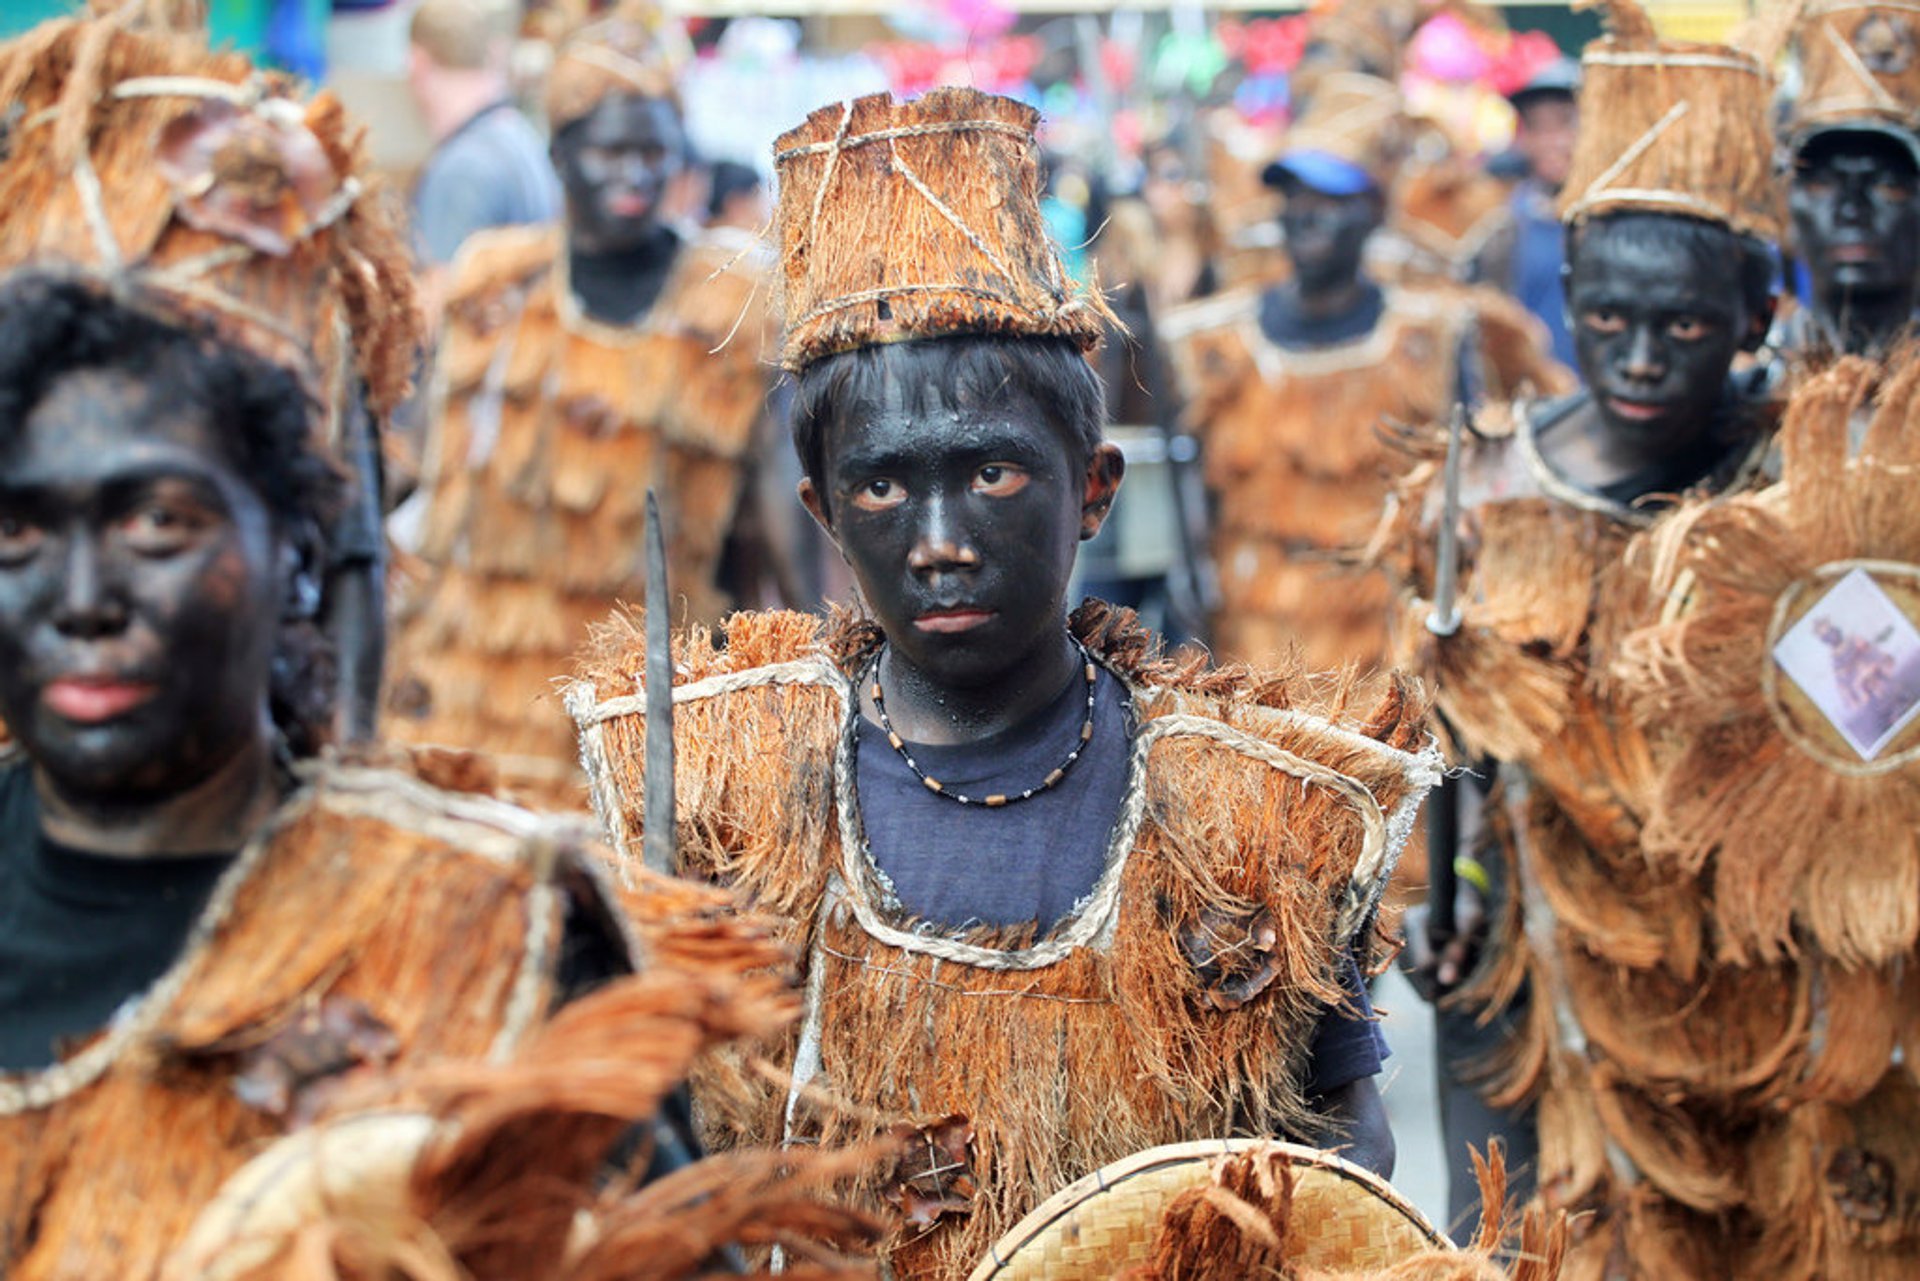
(1644, 360)
(91, 602)
(940, 546)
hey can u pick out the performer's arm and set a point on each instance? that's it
(1342, 1066)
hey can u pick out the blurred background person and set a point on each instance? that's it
(736, 197)
(489, 165)
(1529, 259)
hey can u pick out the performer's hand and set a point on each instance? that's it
(1455, 957)
(1437, 961)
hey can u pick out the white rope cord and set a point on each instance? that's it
(635, 72)
(1650, 196)
(842, 141)
(243, 94)
(527, 999)
(845, 301)
(1633, 153)
(827, 171)
(941, 207)
(93, 207)
(1732, 60)
(1877, 92)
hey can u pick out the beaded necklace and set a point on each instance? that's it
(998, 799)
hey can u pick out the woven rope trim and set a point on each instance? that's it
(1868, 81)
(1732, 60)
(1382, 835)
(1847, 766)
(1651, 197)
(1564, 491)
(35, 1090)
(641, 75)
(844, 141)
(1827, 8)
(393, 798)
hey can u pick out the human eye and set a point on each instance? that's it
(1690, 328)
(163, 525)
(1893, 191)
(1603, 320)
(879, 494)
(1000, 480)
(20, 538)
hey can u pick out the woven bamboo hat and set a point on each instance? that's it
(635, 49)
(1860, 70)
(1339, 1217)
(187, 184)
(1673, 127)
(904, 220)
(1356, 122)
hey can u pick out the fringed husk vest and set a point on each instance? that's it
(547, 430)
(1680, 1075)
(1294, 455)
(376, 921)
(1177, 1001)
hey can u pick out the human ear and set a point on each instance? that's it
(1104, 472)
(816, 505)
(1759, 325)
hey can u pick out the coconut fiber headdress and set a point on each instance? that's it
(1352, 118)
(1860, 69)
(1673, 127)
(636, 49)
(903, 220)
(190, 186)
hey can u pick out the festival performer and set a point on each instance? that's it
(1508, 555)
(209, 938)
(581, 365)
(1784, 622)
(1855, 183)
(1287, 389)
(1060, 900)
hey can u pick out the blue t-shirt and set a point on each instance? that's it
(1032, 862)
(493, 171)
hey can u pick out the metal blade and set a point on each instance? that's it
(658, 839)
(1445, 618)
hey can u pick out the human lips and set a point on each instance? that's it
(1853, 253)
(947, 621)
(1639, 411)
(90, 700)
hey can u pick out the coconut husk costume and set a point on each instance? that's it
(1745, 748)
(388, 938)
(1291, 437)
(1013, 1064)
(1637, 1045)
(547, 428)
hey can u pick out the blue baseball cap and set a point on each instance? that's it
(1321, 170)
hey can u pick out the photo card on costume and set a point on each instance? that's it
(1856, 656)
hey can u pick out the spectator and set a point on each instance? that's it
(489, 166)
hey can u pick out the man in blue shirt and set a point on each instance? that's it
(1548, 119)
(489, 166)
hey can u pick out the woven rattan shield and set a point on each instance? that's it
(1344, 1216)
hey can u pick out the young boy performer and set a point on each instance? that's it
(1287, 389)
(581, 365)
(207, 938)
(1855, 182)
(1059, 901)
(1668, 206)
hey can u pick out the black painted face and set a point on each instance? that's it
(960, 523)
(1656, 325)
(1327, 235)
(1856, 218)
(615, 165)
(141, 592)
